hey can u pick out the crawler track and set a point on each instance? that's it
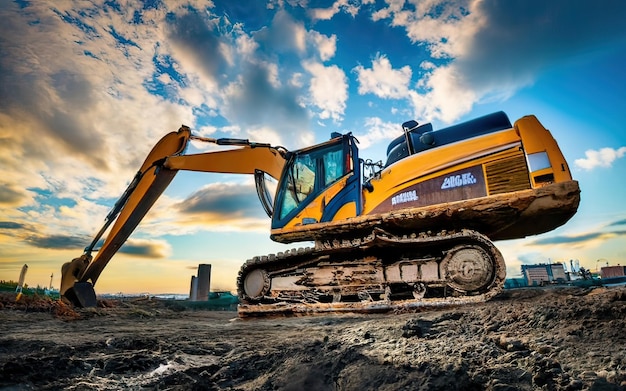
(376, 273)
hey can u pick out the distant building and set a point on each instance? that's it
(613, 271)
(558, 272)
(543, 274)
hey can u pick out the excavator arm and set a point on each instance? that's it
(158, 170)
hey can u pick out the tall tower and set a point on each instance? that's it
(193, 291)
(204, 281)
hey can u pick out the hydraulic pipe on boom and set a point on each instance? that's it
(156, 173)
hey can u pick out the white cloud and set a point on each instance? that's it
(296, 80)
(272, 74)
(431, 98)
(68, 109)
(445, 97)
(86, 120)
(147, 248)
(347, 6)
(382, 80)
(384, 13)
(442, 92)
(484, 51)
(326, 46)
(284, 34)
(377, 130)
(264, 134)
(603, 157)
(246, 46)
(328, 89)
(441, 33)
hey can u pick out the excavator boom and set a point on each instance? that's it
(156, 173)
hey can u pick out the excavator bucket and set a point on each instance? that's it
(82, 294)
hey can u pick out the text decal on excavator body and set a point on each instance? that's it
(454, 186)
(458, 180)
(407, 196)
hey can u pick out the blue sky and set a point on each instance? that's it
(87, 88)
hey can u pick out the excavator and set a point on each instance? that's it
(414, 232)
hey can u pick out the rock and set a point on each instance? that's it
(511, 344)
(588, 375)
(575, 384)
(416, 328)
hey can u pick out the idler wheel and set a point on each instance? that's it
(256, 284)
(468, 269)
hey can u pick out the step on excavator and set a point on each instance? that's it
(414, 232)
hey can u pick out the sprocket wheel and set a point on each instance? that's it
(256, 284)
(468, 269)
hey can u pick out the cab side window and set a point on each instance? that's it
(333, 166)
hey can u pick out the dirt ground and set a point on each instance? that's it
(530, 339)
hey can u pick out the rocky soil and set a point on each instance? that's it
(530, 339)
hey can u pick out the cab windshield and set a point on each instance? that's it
(309, 173)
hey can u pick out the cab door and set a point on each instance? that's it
(319, 184)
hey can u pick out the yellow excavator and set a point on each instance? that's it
(416, 231)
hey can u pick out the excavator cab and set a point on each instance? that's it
(319, 184)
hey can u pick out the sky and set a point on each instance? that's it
(88, 87)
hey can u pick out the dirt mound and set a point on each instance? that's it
(530, 339)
